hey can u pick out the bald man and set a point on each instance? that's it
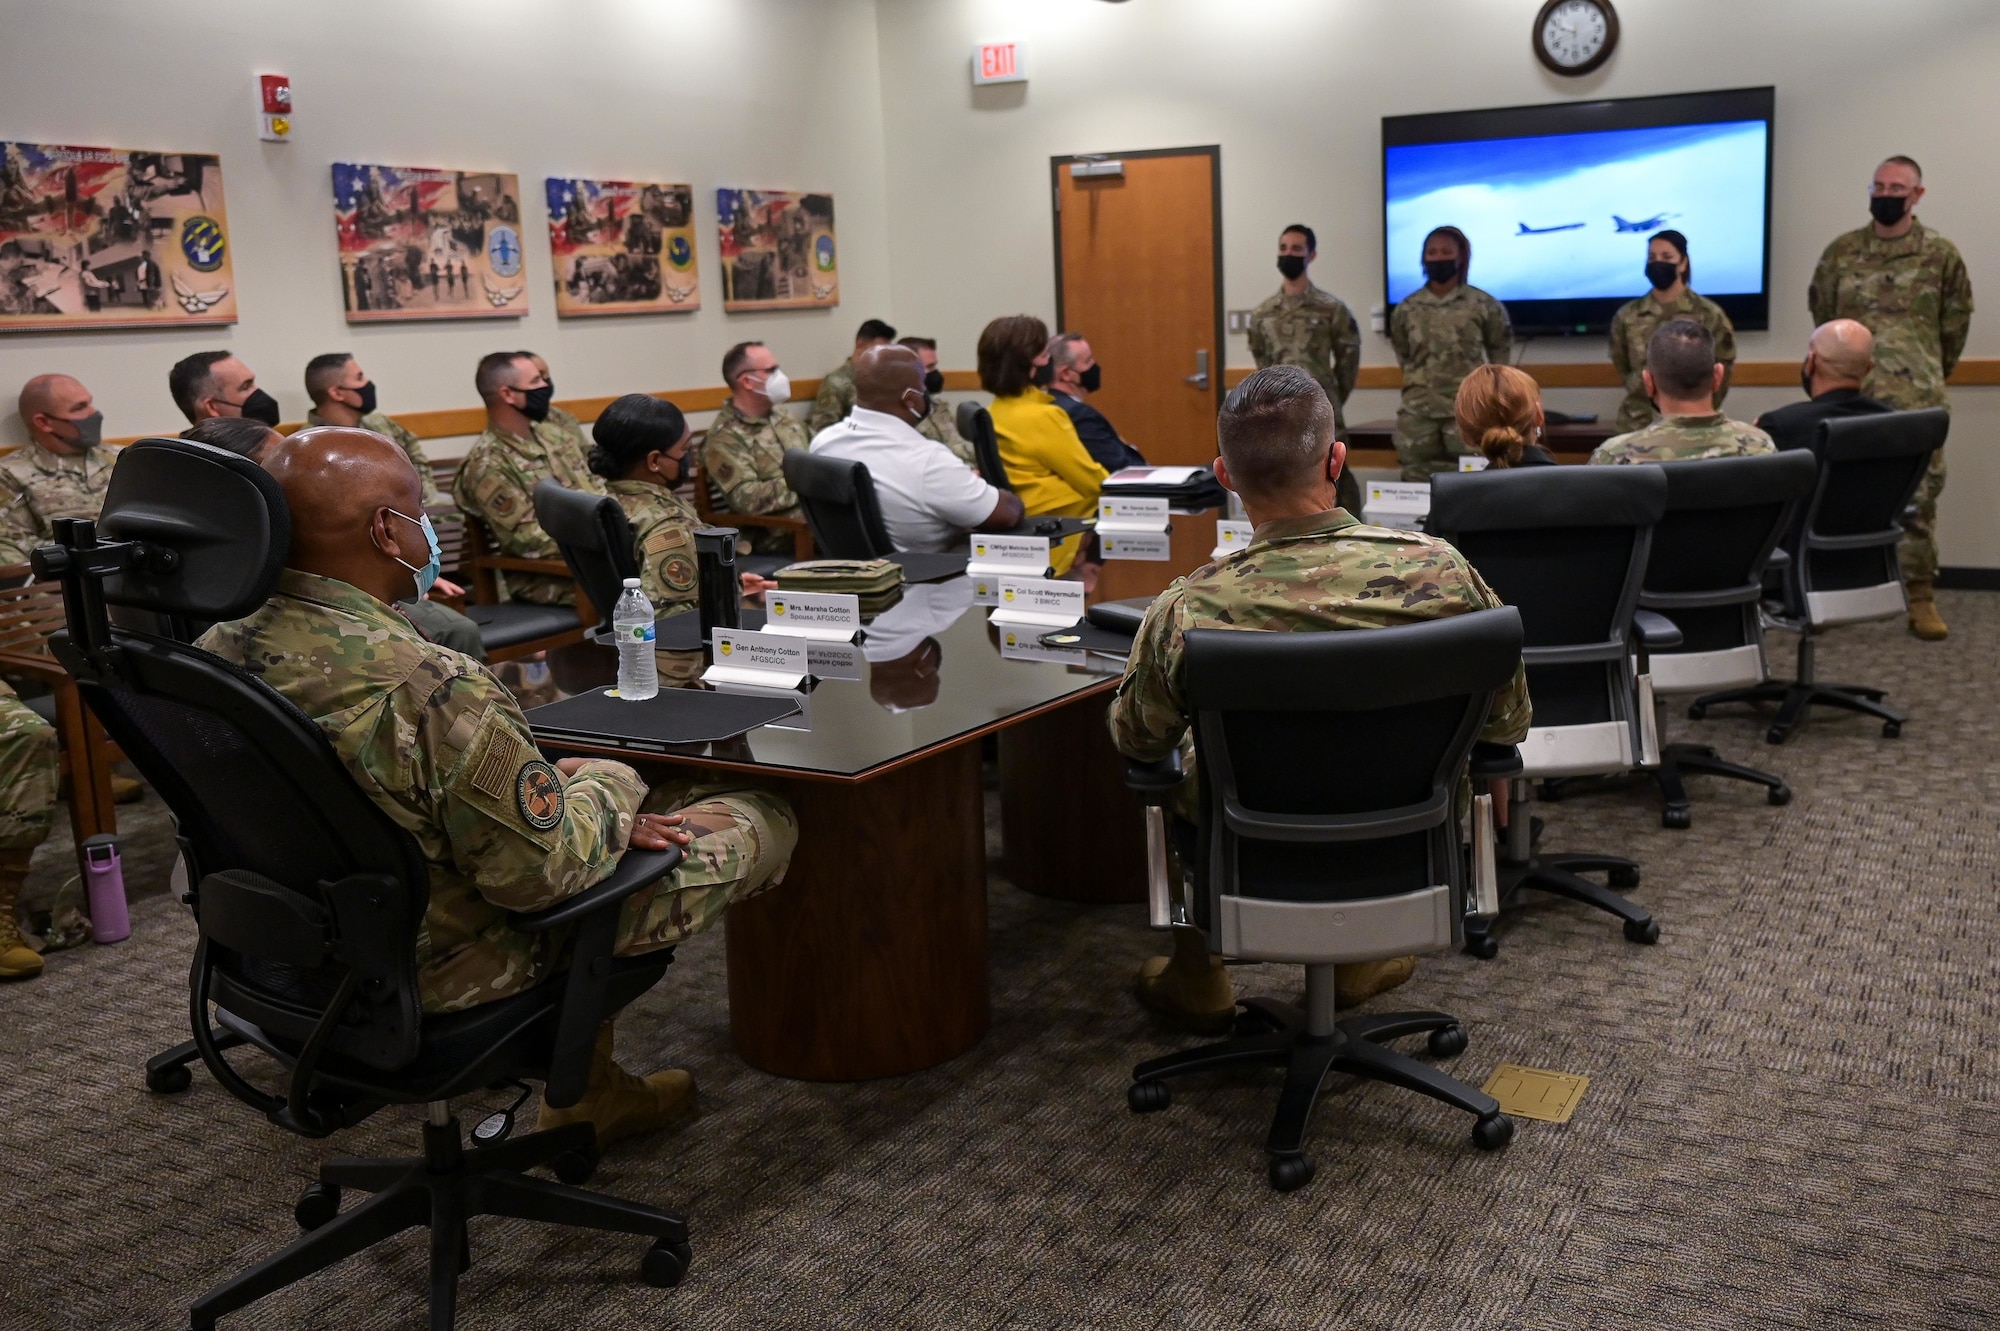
(929, 499)
(1838, 361)
(61, 474)
(439, 743)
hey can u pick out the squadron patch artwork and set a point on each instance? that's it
(417, 243)
(622, 247)
(108, 238)
(778, 250)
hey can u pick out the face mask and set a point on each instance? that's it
(260, 406)
(923, 407)
(1662, 274)
(1440, 270)
(778, 388)
(536, 408)
(367, 392)
(1091, 378)
(1293, 266)
(426, 576)
(1041, 376)
(1805, 378)
(934, 381)
(89, 432)
(1888, 208)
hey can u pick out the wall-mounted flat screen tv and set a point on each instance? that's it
(1558, 201)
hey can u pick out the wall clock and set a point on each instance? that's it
(1573, 37)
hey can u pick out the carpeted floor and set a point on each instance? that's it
(1792, 1119)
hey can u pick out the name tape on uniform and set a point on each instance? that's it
(1131, 513)
(1151, 545)
(823, 616)
(1038, 603)
(1231, 536)
(766, 660)
(1016, 556)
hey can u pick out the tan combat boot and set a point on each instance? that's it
(18, 961)
(1191, 987)
(124, 790)
(1360, 981)
(1925, 622)
(619, 1104)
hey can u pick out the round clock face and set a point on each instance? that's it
(1575, 36)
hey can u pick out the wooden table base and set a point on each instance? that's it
(869, 960)
(1070, 828)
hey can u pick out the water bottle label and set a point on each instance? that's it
(645, 632)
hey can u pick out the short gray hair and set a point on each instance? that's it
(1275, 430)
(1061, 349)
(1681, 357)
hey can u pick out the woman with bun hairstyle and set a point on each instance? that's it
(1499, 414)
(641, 452)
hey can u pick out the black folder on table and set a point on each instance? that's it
(1107, 627)
(682, 632)
(671, 718)
(924, 566)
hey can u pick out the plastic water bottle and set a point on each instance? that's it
(632, 625)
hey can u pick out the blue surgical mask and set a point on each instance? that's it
(428, 575)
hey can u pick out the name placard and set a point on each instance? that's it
(1038, 603)
(1131, 513)
(833, 660)
(1151, 545)
(1009, 556)
(765, 660)
(821, 616)
(1473, 462)
(1024, 644)
(1230, 537)
(1403, 499)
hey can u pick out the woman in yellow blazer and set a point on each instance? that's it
(1050, 469)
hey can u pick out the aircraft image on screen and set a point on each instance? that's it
(1527, 230)
(1653, 223)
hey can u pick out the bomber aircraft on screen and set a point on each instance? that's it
(1527, 230)
(1645, 224)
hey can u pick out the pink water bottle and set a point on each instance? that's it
(104, 883)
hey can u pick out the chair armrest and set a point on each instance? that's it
(636, 869)
(1155, 782)
(516, 564)
(1656, 632)
(41, 669)
(1780, 560)
(1493, 762)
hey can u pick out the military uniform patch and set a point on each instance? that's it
(538, 793)
(678, 573)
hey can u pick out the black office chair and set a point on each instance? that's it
(838, 497)
(308, 899)
(1706, 573)
(1843, 567)
(1568, 546)
(975, 424)
(1320, 864)
(595, 538)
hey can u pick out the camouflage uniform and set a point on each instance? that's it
(835, 399)
(1438, 341)
(663, 538)
(389, 428)
(940, 427)
(1314, 329)
(1632, 330)
(28, 766)
(1324, 571)
(744, 460)
(1685, 439)
(441, 747)
(37, 487)
(496, 485)
(1914, 295)
(561, 428)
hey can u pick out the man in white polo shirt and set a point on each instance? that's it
(929, 499)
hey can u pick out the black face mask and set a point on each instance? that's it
(934, 381)
(367, 392)
(1805, 379)
(1091, 378)
(1293, 266)
(1888, 208)
(260, 406)
(1042, 375)
(536, 408)
(1440, 270)
(1662, 274)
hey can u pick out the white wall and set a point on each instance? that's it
(1294, 91)
(775, 94)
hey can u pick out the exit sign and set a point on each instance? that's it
(1000, 62)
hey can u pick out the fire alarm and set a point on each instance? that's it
(274, 117)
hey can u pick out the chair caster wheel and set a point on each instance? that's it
(1482, 946)
(1892, 730)
(1624, 877)
(1448, 1041)
(1696, 712)
(1148, 1097)
(1678, 818)
(171, 1080)
(665, 1263)
(575, 1167)
(1490, 1134)
(1643, 931)
(1289, 1173)
(1774, 735)
(1250, 1021)
(1779, 795)
(319, 1203)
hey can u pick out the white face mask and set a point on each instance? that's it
(778, 388)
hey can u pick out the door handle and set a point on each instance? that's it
(1200, 376)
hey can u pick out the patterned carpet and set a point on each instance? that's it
(1792, 1118)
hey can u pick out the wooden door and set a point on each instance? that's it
(1139, 273)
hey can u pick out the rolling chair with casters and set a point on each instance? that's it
(595, 538)
(838, 497)
(308, 899)
(1843, 567)
(975, 425)
(1568, 547)
(1332, 863)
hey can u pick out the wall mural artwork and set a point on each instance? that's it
(778, 250)
(622, 246)
(417, 243)
(106, 238)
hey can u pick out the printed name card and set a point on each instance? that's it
(1473, 462)
(1038, 603)
(1025, 644)
(1153, 545)
(1230, 537)
(1398, 498)
(1131, 513)
(821, 616)
(1009, 556)
(762, 660)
